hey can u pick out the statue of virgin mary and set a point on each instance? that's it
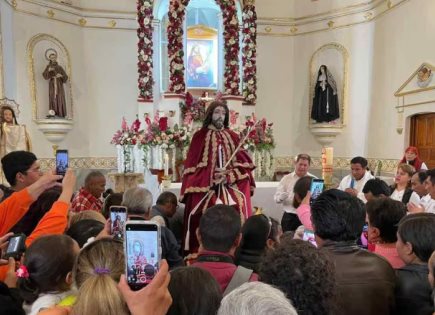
(325, 103)
(14, 137)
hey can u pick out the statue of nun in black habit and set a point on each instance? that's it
(325, 103)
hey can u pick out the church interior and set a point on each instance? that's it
(153, 112)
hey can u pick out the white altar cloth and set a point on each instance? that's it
(263, 198)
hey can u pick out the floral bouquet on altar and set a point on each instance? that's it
(261, 137)
(260, 143)
(159, 133)
(127, 135)
(125, 139)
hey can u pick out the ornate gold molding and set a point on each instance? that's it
(126, 20)
(82, 163)
(31, 71)
(344, 86)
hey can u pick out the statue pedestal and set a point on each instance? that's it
(124, 181)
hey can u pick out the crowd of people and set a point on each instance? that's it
(372, 249)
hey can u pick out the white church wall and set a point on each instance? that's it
(283, 64)
(104, 86)
(403, 41)
(383, 53)
(25, 27)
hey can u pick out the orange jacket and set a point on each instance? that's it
(13, 209)
(53, 222)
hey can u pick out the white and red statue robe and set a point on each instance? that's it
(198, 186)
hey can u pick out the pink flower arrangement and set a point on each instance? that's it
(127, 135)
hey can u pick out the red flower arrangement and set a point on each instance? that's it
(145, 49)
(249, 58)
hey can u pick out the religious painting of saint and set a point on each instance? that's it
(56, 77)
(201, 63)
(325, 102)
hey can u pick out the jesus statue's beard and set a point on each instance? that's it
(218, 123)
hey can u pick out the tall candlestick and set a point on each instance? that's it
(166, 165)
(221, 161)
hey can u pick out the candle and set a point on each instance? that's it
(221, 161)
(166, 165)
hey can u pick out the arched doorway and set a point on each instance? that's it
(423, 137)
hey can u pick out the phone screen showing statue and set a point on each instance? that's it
(316, 189)
(142, 255)
(61, 162)
(118, 216)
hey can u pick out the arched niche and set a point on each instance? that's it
(37, 62)
(336, 58)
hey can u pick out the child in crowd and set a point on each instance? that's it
(415, 244)
(45, 277)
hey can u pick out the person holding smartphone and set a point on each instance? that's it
(284, 194)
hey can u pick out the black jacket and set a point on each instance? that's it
(10, 301)
(413, 292)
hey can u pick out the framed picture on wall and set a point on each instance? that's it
(202, 62)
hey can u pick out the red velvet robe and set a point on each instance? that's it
(199, 170)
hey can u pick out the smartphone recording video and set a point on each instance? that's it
(16, 247)
(142, 252)
(316, 188)
(61, 162)
(118, 217)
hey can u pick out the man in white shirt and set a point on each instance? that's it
(427, 203)
(284, 193)
(354, 183)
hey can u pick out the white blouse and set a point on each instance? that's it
(398, 195)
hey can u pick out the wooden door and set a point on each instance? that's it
(423, 137)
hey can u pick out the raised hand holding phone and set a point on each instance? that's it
(142, 245)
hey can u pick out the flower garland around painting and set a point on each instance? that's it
(145, 49)
(176, 53)
(249, 58)
(231, 46)
(175, 32)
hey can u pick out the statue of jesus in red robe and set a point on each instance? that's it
(210, 177)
